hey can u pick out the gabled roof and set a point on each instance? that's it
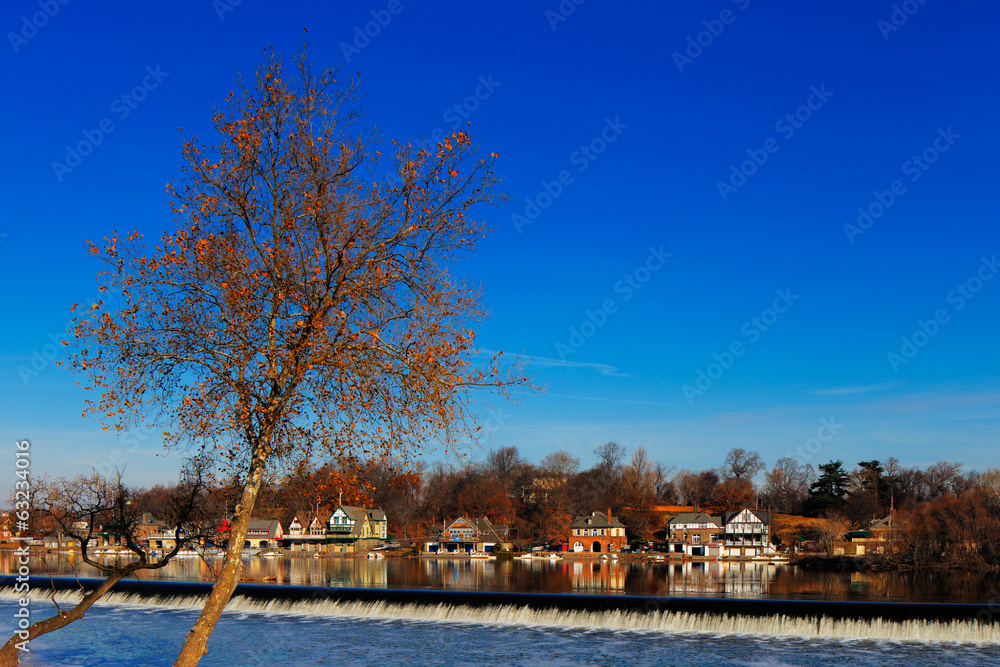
(762, 515)
(596, 520)
(272, 526)
(482, 528)
(694, 517)
(376, 515)
(353, 513)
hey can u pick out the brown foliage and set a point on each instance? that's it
(732, 494)
(953, 531)
(304, 300)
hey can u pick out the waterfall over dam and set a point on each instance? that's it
(813, 618)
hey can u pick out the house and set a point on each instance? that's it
(311, 537)
(111, 535)
(263, 534)
(747, 533)
(162, 539)
(60, 540)
(5, 533)
(295, 528)
(540, 489)
(465, 535)
(596, 532)
(356, 528)
(380, 524)
(875, 540)
(148, 525)
(695, 534)
(881, 530)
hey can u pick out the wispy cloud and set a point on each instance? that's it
(858, 389)
(549, 362)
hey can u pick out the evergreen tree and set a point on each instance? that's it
(828, 491)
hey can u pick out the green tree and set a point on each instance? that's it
(829, 490)
(875, 481)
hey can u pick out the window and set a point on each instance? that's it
(696, 539)
(602, 531)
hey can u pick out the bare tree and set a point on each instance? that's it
(662, 484)
(503, 463)
(832, 530)
(86, 505)
(696, 488)
(560, 465)
(786, 486)
(944, 477)
(741, 464)
(639, 493)
(609, 457)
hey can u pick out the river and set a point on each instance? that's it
(699, 579)
(130, 631)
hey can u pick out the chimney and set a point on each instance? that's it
(609, 515)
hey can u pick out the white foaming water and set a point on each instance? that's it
(508, 615)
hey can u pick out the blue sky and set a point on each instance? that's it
(681, 173)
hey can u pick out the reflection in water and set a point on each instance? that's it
(697, 579)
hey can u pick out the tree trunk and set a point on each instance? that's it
(10, 655)
(196, 642)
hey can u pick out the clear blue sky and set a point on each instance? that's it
(739, 138)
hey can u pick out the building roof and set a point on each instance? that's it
(694, 517)
(272, 526)
(596, 520)
(762, 515)
(482, 527)
(353, 513)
